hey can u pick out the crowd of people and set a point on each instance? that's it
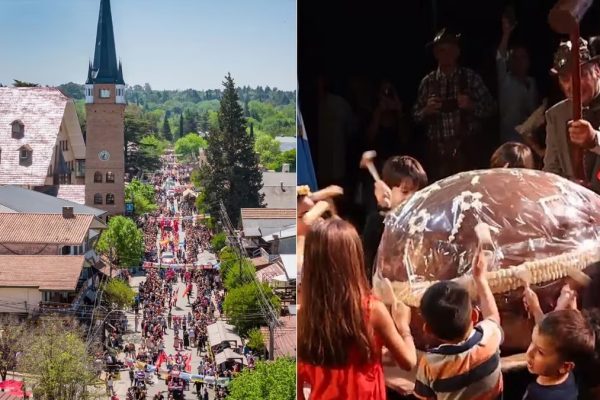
(340, 346)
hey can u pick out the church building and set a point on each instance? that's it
(105, 109)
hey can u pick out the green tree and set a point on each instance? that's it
(142, 195)
(200, 203)
(256, 341)
(122, 243)
(269, 380)
(118, 294)
(11, 333)
(218, 241)
(181, 131)
(288, 157)
(19, 83)
(59, 365)
(239, 273)
(72, 90)
(243, 307)
(188, 146)
(268, 151)
(232, 170)
(189, 121)
(166, 129)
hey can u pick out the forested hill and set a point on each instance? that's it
(269, 110)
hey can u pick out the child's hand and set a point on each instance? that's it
(567, 299)
(530, 300)
(383, 194)
(401, 314)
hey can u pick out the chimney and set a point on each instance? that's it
(275, 245)
(282, 187)
(285, 168)
(67, 212)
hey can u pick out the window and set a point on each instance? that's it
(104, 93)
(110, 177)
(97, 198)
(98, 177)
(80, 168)
(17, 129)
(110, 198)
(66, 250)
(25, 156)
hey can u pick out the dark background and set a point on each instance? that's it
(356, 44)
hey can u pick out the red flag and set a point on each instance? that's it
(188, 363)
(160, 360)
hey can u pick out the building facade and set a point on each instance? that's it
(105, 110)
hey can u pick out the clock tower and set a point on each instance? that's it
(105, 133)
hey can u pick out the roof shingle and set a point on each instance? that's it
(43, 272)
(44, 228)
(74, 193)
(268, 213)
(41, 110)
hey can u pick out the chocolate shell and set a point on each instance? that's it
(538, 221)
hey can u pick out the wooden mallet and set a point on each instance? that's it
(366, 161)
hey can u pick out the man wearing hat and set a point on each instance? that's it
(451, 104)
(562, 134)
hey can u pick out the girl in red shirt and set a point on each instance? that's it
(341, 325)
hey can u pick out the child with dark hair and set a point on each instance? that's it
(512, 155)
(467, 363)
(562, 340)
(561, 352)
(401, 177)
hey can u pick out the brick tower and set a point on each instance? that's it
(105, 134)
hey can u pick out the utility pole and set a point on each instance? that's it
(271, 339)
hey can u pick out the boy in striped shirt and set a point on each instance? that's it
(467, 364)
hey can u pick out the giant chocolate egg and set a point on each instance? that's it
(539, 223)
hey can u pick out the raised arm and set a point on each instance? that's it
(395, 336)
(489, 309)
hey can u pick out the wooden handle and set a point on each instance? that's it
(576, 151)
(373, 171)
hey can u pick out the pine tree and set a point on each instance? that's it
(166, 129)
(232, 172)
(181, 133)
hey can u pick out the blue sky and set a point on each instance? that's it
(171, 44)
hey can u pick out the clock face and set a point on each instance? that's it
(104, 155)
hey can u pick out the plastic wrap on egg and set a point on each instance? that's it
(539, 222)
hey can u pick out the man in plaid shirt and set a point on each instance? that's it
(451, 104)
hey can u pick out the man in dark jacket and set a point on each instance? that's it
(562, 134)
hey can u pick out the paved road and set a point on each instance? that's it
(181, 308)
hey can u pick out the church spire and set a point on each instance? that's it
(105, 56)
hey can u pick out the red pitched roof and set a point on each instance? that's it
(43, 272)
(41, 111)
(285, 337)
(44, 228)
(74, 193)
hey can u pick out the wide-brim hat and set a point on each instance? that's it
(562, 57)
(445, 36)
